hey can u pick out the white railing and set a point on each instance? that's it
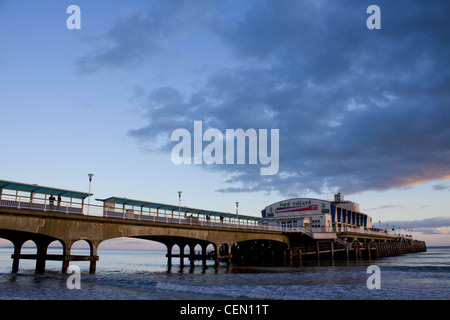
(39, 204)
(358, 230)
(176, 217)
(173, 217)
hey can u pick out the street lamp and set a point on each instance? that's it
(179, 203)
(237, 212)
(89, 197)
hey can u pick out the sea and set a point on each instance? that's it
(144, 275)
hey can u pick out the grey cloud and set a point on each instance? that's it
(142, 37)
(126, 45)
(441, 187)
(437, 225)
(387, 206)
(357, 109)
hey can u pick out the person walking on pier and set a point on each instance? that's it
(51, 201)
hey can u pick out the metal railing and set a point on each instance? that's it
(172, 217)
(39, 204)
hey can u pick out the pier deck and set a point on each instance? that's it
(234, 238)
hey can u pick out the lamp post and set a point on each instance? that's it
(237, 212)
(179, 203)
(89, 197)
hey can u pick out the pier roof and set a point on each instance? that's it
(34, 188)
(155, 205)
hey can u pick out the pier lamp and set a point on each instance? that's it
(89, 197)
(237, 212)
(179, 203)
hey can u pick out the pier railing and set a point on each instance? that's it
(166, 216)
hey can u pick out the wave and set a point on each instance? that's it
(251, 292)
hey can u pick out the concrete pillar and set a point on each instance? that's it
(332, 250)
(41, 255)
(204, 246)
(228, 254)
(66, 253)
(317, 250)
(16, 257)
(217, 258)
(192, 254)
(182, 254)
(94, 257)
(347, 251)
(169, 255)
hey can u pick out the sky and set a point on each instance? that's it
(360, 111)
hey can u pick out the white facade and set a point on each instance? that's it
(303, 212)
(316, 213)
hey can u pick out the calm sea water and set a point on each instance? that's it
(124, 275)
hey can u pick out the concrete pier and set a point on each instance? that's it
(239, 244)
(21, 225)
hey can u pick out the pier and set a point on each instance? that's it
(356, 249)
(45, 215)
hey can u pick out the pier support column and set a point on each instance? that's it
(332, 250)
(217, 257)
(228, 254)
(94, 257)
(66, 253)
(192, 254)
(204, 247)
(317, 250)
(169, 255)
(16, 257)
(223, 251)
(41, 255)
(182, 255)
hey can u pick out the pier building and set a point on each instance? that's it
(317, 214)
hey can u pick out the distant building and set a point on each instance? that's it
(316, 213)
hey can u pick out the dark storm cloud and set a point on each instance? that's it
(357, 109)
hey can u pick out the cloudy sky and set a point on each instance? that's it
(362, 112)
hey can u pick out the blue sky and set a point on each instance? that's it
(363, 112)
